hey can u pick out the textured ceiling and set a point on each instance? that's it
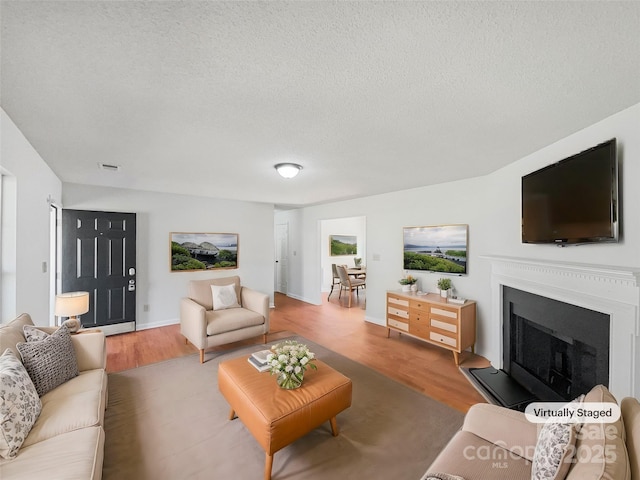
(204, 97)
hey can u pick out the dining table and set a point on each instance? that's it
(357, 272)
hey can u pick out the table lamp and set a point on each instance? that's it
(72, 305)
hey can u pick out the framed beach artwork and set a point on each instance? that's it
(437, 248)
(343, 245)
(203, 251)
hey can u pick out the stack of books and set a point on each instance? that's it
(259, 360)
(458, 300)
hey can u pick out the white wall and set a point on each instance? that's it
(28, 223)
(158, 214)
(490, 205)
(340, 226)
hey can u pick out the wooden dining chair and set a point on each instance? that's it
(347, 283)
(336, 279)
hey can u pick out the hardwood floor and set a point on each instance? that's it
(423, 367)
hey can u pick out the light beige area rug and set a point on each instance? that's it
(169, 421)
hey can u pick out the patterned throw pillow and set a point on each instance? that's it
(32, 333)
(554, 451)
(224, 296)
(19, 404)
(50, 362)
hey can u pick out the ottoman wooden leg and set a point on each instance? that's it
(232, 414)
(334, 427)
(268, 463)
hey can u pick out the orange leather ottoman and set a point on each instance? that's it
(277, 417)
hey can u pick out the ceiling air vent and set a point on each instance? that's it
(109, 168)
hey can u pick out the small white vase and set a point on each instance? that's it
(444, 293)
(414, 287)
(406, 288)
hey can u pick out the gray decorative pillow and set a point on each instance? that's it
(32, 333)
(19, 404)
(50, 362)
(554, 451)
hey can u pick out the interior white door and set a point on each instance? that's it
(282, 257)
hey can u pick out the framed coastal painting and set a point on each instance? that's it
(343, 245)
(436, 248)
(203, 251)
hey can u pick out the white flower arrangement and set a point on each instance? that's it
(289, 360)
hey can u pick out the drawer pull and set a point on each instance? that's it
(398, 325)
(442, 339)
(398, 313)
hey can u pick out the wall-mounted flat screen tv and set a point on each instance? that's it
(574, 200)
(437, 248)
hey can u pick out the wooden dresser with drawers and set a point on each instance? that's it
(433, 319)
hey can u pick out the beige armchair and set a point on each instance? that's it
(205, 327)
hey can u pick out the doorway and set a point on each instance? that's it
(282, 258)
(354, 227)
(99, 256)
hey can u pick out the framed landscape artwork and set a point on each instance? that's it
(203, 251)
(438, 248)
(343, 245)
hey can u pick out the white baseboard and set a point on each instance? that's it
(161, 323)
(302, 299)
(377, 321)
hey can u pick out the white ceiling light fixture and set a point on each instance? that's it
(288, 170)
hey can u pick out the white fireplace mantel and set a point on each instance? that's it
(614, 291)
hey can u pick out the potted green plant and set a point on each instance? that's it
(407, 282)
(444, 284)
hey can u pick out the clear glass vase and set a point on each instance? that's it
(290, 381)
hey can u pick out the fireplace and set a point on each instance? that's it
(613, 291)
(552, 351)
(555, 350)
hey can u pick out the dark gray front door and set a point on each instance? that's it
(99, 257)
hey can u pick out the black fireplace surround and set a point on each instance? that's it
(552, 351)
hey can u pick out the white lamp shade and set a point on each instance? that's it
(288, 170)
(72, 304)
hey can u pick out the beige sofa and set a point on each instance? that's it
(67, 440)
(205, 327)
(499, 444)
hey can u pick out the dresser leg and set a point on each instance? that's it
(388, 332)
(456, 358)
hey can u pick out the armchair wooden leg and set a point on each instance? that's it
(264, 338)
(202, 355)
(335, 431)
(268, 465)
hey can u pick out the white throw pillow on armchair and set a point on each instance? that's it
(224, 296)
